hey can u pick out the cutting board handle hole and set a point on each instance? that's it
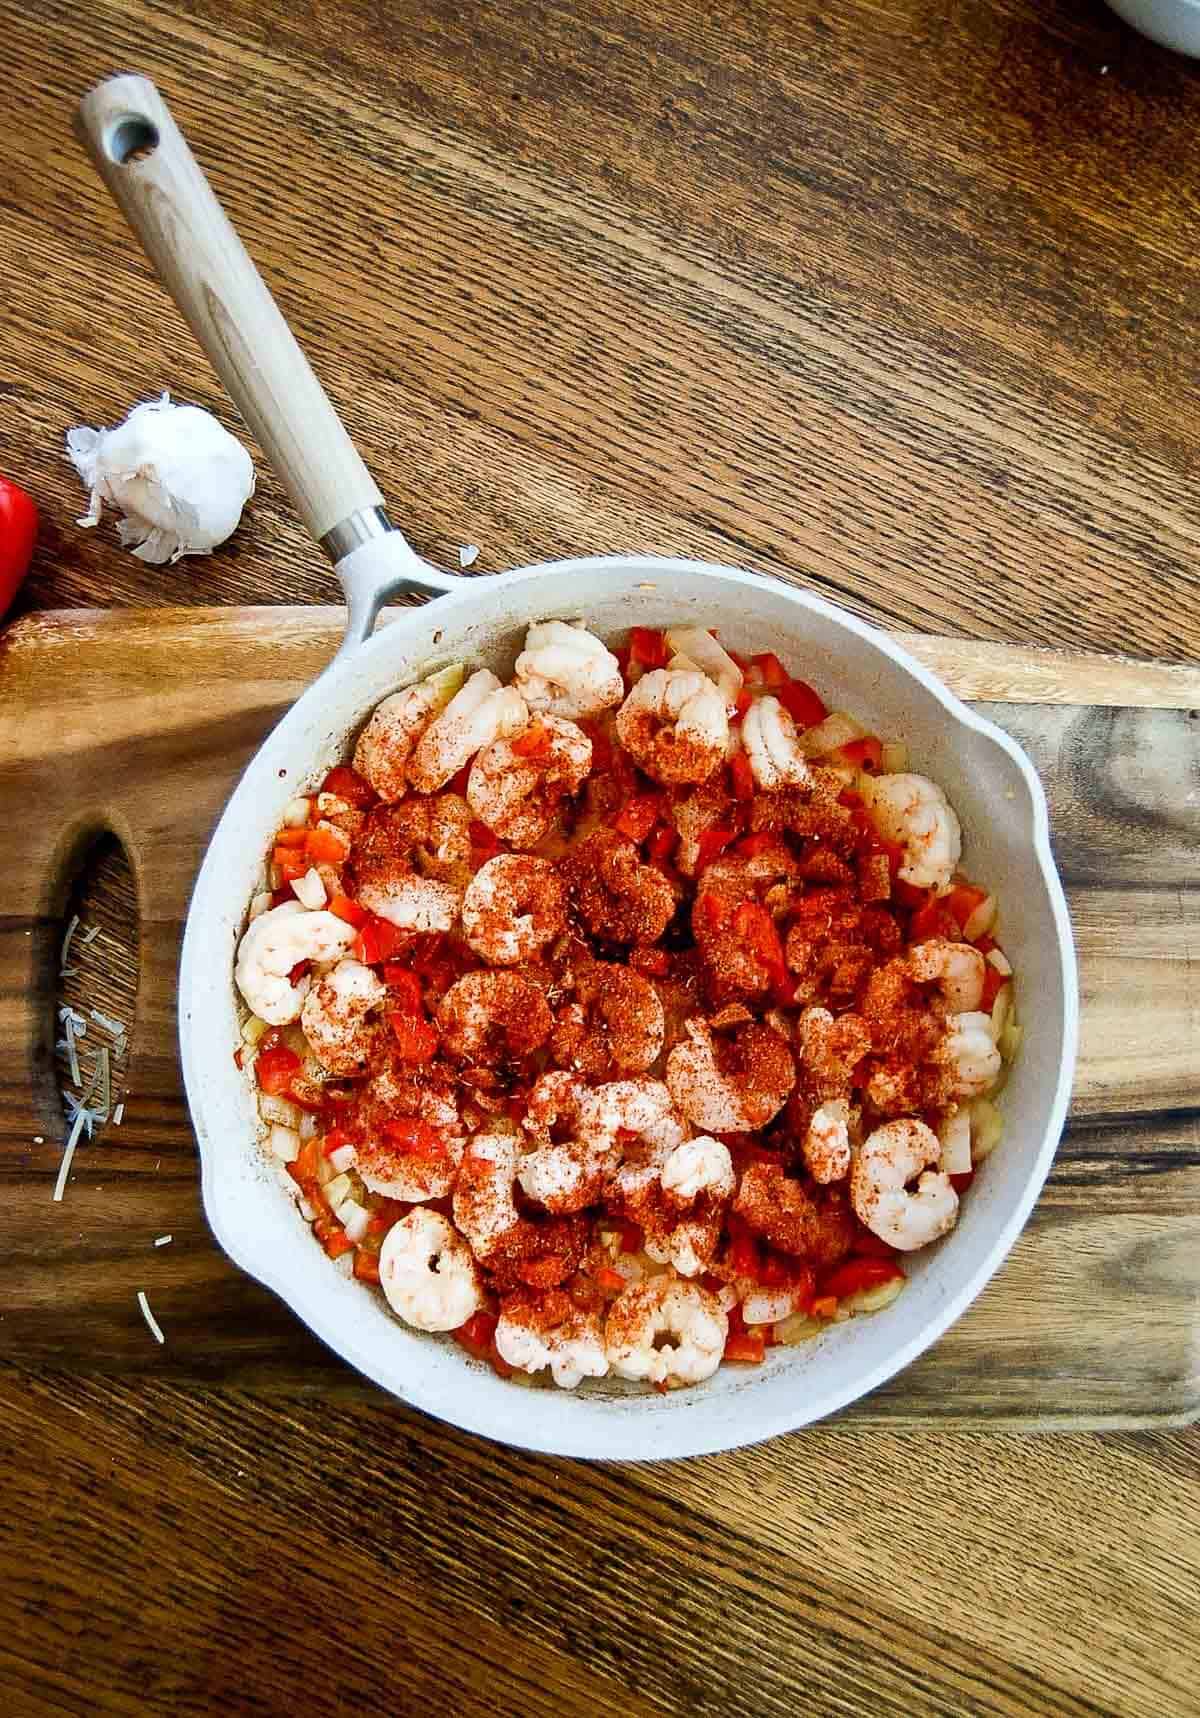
(131, 139)
(99, 976)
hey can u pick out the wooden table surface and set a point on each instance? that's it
(898, 297)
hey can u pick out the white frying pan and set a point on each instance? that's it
(149, 169)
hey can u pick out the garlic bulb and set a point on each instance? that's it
(180, 479)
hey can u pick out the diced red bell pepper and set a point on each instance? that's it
(366, 1265)
(334, 1140)
(963, 900)
(934, 919)
(742, 703)
(327, 846)
(648, 647)
(746, 1347)
(275, 1067)
(477, 1333)
(711, 845)
(750, 846)
(744, 1256)
(637, 817)
(284, 893)
(633, 1238)
(291, 838)
(771, 672)
(407, 994)
(825, 1306)
(802, 704)
(415, 1137)
(742, 776)
(377, 941)
(416, 1039)
(756, 925)
(654, 962)
(543, 1273)
(662, 844)
(458, 783)
(533, 743)
(610, 1279)
(347, 784)
(18, 531)
(389, 1212)
(862, 754)
(993, 984)
(342, 907)
(869, 1246)
(960, 1183)
(855, 1275)
(289, 862)
(483, 839)
(301, 970)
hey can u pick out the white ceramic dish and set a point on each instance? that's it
(988, 778)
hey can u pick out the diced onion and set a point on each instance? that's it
(354, 1219)
(684, 665)
(1010, 1040)
(254, 1029)
(761, 1307)
(955, 1137)
(445, 683)
(996, 957)
(894, 757)
(791, 1332)
(342, 1159)
(710, 658)
(295, 815)
(310, 1127)
(260, 904)
(872, 1299)
(980, 922)
(838, 729)
(306, 1208)
(1000, 1011)
(284, 1143)
(987, 1124)
(309, 890)
(282, 1110)
(338, 1189)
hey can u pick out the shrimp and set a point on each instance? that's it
(615, 1024)
(914, 812)
(516, 787)
(572, 1156)
(683, 1224)
(815, 1225)
(827, 1143)
(491, 1017)
(565, 671)
(888, 1159)
(640, 1109)
(969, 1054)
(412, 862)
(683, 1312)
(337, 1017)
(553, 1332)
(730, 1085)
(831, 1050)
(957, 969)
(481, 712)
(514, 905)
(412, 1138)
(704, 809)
(274, 944)
(483, 1193)
(619, 898)
(427, 1272)
(386, 743)
(773, 750)
(674, 725)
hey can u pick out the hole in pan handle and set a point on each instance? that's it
(143, 158)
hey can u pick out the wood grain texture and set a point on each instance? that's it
(895, 300)
(140, 722)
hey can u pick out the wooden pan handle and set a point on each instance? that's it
(144, 160)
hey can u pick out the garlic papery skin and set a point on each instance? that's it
(178, 477)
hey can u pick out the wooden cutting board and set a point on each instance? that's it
(139, 722)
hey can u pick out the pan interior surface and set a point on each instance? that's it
(1000, 803)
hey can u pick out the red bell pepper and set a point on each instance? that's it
(711, 844)
(342, 907)
(377, 941)
(289, 863)
(366, 1266)
(960, 1183)
(742, 775)
(275, 1067)
(405, 986)
(858, 1274)
(416, 1039)
(632, 1237)
(771, 672)
(746, 1346)
(654, 962)
(610, 1279)
(638, 816)
(963, 900)
(415, 1137)
(601, 747)
(347, 784)
(862, 754)
(662, 844)
(993, 984)
(934, 919)
(327, 846)
(291, 838)
(18, 529)
(802, 704)
(648, 647)
(533, 743)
